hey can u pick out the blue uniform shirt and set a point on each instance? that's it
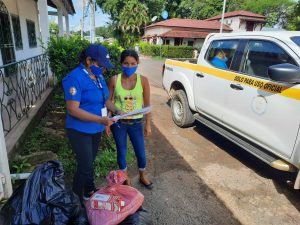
(78, 86)
(217, 62)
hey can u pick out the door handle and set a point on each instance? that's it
(236, 87)
(200, 75)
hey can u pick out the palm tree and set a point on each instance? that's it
(132, 20)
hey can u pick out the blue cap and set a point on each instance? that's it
(100, 54)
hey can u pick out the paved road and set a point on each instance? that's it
(152, 69)
(195, 163)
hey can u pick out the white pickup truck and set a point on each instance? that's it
(245, 86)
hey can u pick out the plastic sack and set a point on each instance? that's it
(43, 200)
(141, 217)
(116, 177)
(132, 197)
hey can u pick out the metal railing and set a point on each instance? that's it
(21, 85)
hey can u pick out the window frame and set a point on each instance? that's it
(31, 44)
(243, 59)
(17, 46)
(234, 59)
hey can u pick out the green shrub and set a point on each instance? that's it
(64, 54)
(167, 51)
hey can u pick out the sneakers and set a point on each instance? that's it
(87, 196)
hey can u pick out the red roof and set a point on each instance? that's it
(237, 13)
(184, 34)
(190, 23)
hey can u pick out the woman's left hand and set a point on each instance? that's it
(147, 130)
(107, 131)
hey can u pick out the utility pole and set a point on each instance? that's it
(82, 19)
(93, 5)
(222, 20)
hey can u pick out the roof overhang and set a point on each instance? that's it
(260, 20)
(68, 4)
(183, 34)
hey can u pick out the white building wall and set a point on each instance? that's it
(25, 9)
(238, 25)
(156, 30)
(199, 42)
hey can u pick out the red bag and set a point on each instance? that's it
(132, 197)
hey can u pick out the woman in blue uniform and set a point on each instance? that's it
(86, 94)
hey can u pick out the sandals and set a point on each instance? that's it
(148, 186)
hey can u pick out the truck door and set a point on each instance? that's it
(259, 108)
(210, 77)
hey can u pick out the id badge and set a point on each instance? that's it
(104, 111)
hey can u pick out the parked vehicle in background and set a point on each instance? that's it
(245, 86)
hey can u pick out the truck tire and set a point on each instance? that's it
(181, 113)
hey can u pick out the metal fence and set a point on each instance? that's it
(21, 85)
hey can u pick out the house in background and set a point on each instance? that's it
(241, 21)
(193, 32)
(23, 23)
(177, 31)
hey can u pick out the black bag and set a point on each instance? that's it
(44, 200)
(141, 217)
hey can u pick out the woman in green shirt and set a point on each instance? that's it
(130, 91)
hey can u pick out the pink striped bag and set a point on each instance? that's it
(132, 197)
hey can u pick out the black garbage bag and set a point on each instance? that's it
(43, 200)
(141, 217)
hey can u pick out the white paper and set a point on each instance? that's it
(134, 113)
(101, 197)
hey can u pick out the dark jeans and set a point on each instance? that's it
(85, 147)
(135, 131)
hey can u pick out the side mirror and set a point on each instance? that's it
(285, 73)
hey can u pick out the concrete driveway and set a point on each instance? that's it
(201, 178)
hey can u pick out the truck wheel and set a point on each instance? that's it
(181, 113)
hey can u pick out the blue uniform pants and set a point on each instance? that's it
(85, 147)
(135, 131)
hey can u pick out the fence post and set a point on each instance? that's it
(4, 166)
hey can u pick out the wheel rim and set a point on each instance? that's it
(178, 110)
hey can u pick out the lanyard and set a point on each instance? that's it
(98, 84)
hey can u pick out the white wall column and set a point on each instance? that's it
(5, 181)
(60, 22)
(67, 25)
(43, 21)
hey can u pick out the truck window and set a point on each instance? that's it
(221, 53)
(259, 55)
(296, 39)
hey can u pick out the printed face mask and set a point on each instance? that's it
(96, 70)
(128, 71)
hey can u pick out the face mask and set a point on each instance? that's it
(128, 71)
(225, 59)
(96, 70)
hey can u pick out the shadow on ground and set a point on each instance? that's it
(279, 178)
(179, 196)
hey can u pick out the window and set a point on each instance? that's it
(296, 40)
(166, 42)
(178, 41)
(221, 53)
(190, 43)
(31, 33)
(17, 32)
(259, 55)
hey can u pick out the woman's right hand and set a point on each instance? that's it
(107, 121)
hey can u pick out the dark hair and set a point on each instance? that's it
(127, 53)
(82, 57)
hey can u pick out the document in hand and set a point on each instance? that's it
(134, 113)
